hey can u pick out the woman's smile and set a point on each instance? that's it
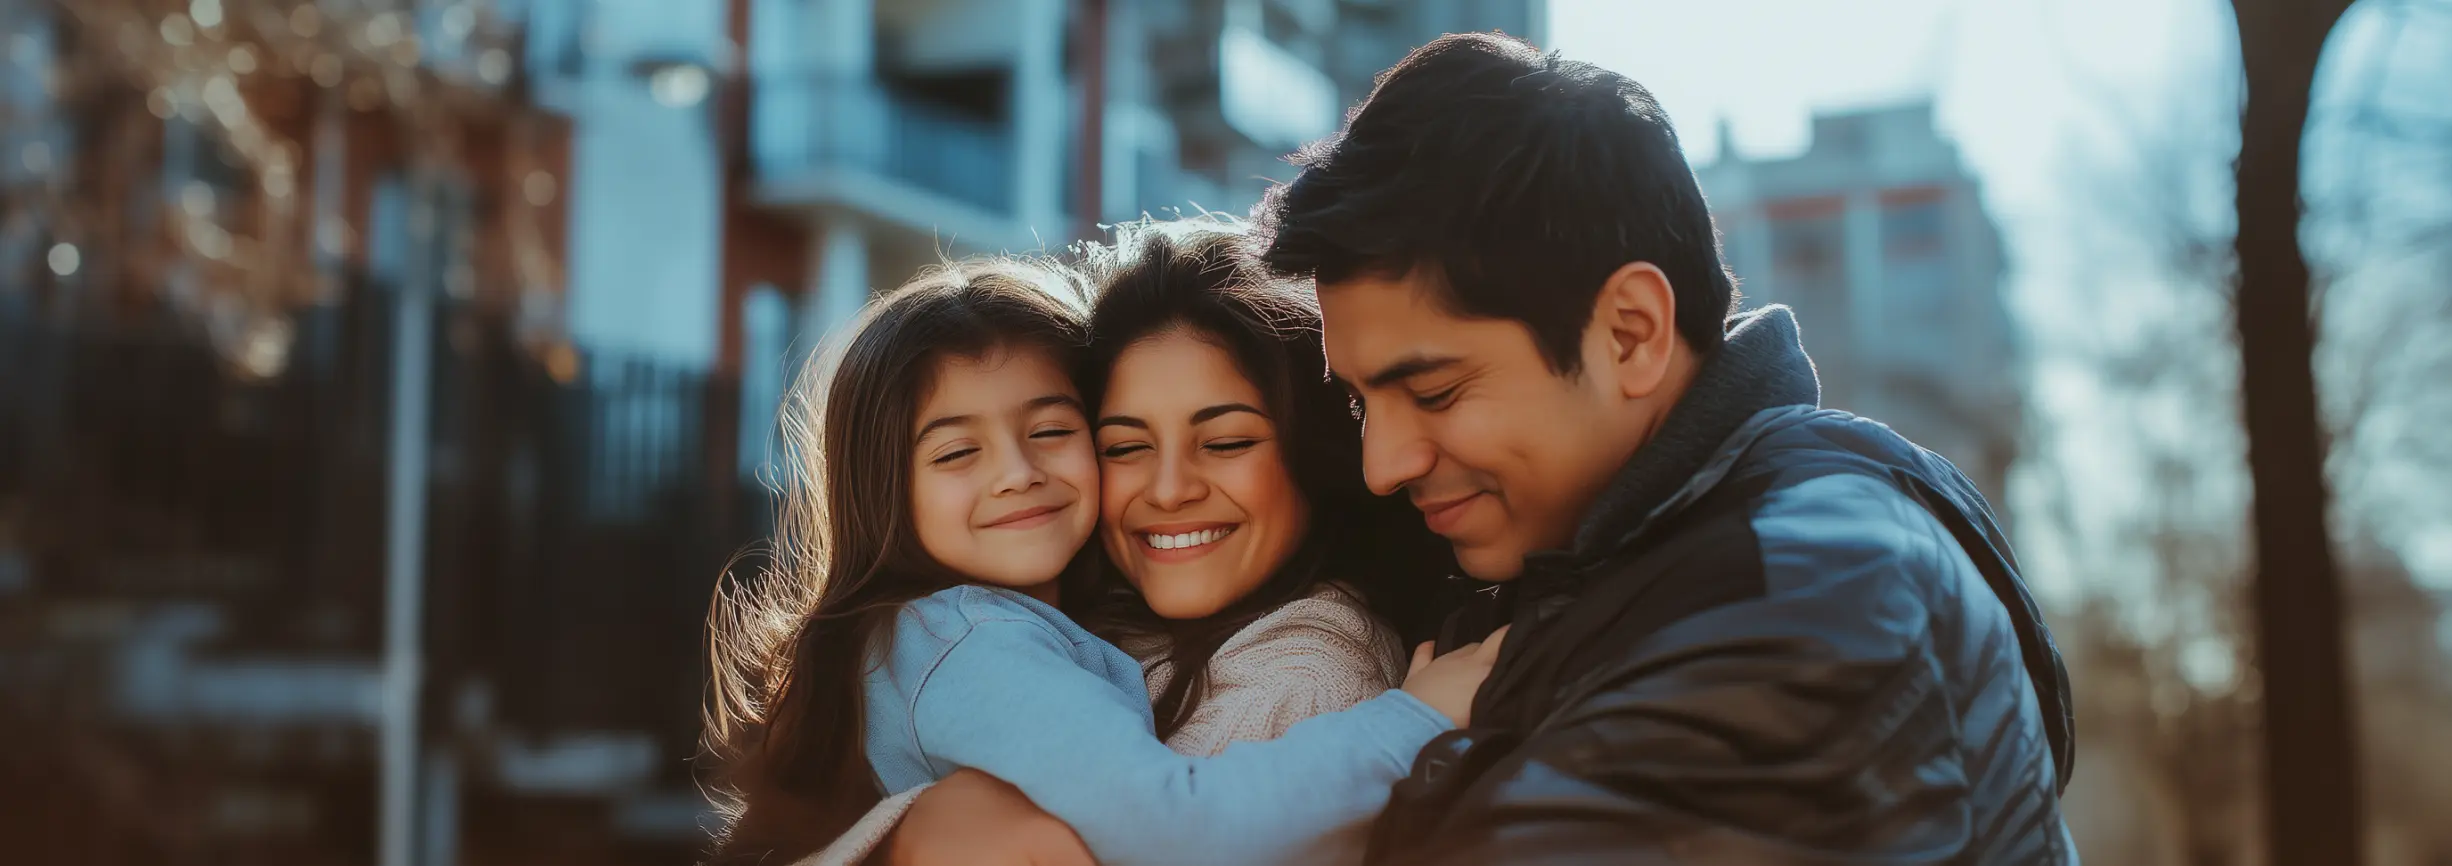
(1183, 542)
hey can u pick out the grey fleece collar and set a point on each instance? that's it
(1761, 365)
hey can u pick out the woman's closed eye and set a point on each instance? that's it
(1230, 446)
(1123, 449)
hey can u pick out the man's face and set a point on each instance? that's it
(1501, 454)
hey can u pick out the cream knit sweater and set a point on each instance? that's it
(1317, 654)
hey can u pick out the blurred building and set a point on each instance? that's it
(623, 221)
(1222, 90)
(746, 175)
(1372, 35)
(216, 225)
(1877, 236)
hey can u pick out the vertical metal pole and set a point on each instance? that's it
(405, 537)
(1089, 198)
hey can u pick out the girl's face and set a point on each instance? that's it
(1198, 507)
(1002, 477)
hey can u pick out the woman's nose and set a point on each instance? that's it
(1177, 483)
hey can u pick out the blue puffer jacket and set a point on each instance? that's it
(1784, 634)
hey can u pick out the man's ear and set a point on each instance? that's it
(1635, 319)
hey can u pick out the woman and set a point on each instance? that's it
(1233, 504)
(1243, 540)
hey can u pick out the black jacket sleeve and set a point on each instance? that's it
(1762, 732)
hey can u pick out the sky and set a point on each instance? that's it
(2027, 89)
(2010, 78)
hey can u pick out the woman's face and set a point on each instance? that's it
(1002, 475)
(1197, 506)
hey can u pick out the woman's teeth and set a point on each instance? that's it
(1187, 539)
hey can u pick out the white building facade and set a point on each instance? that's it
(1877, 236)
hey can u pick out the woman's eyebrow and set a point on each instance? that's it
(1225, 409)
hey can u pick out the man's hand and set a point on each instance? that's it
(1448, 682)
(973, 818)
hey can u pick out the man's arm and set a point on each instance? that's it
(970, 818)
(1753, 748)
(1811, 723)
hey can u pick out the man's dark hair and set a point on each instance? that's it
(1515, 182)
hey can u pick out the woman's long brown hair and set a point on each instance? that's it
(784, 714)
(1195, 274)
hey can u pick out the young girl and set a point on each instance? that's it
(954, 489)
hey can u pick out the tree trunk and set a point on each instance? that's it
(2311, 766)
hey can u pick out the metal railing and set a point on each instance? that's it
(801, 124)
(576, 526)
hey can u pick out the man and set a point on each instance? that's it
(1744, 630)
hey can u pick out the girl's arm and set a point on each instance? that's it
(1007, 699)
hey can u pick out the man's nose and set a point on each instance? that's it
(1394, 454)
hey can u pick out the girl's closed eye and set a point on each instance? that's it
(1231, 446)
(949, 457)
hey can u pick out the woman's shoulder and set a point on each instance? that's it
(1320, 653)
(1330, 608)
(1331, 627)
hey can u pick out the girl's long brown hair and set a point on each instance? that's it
(784, 714)
(1195, 274)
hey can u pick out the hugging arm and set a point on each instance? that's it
(1732, 740)
(1309, 659)
(1072, 743)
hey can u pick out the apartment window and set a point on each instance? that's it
(1915, 224)
(1920, 292)
(1808, 241)
(1809, 273)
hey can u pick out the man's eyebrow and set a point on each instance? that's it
(1407, 368)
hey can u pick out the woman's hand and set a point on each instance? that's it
(974, 818)
(1448, 682)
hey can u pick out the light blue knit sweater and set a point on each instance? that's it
(999, 682)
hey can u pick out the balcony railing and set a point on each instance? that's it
(803, 125)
